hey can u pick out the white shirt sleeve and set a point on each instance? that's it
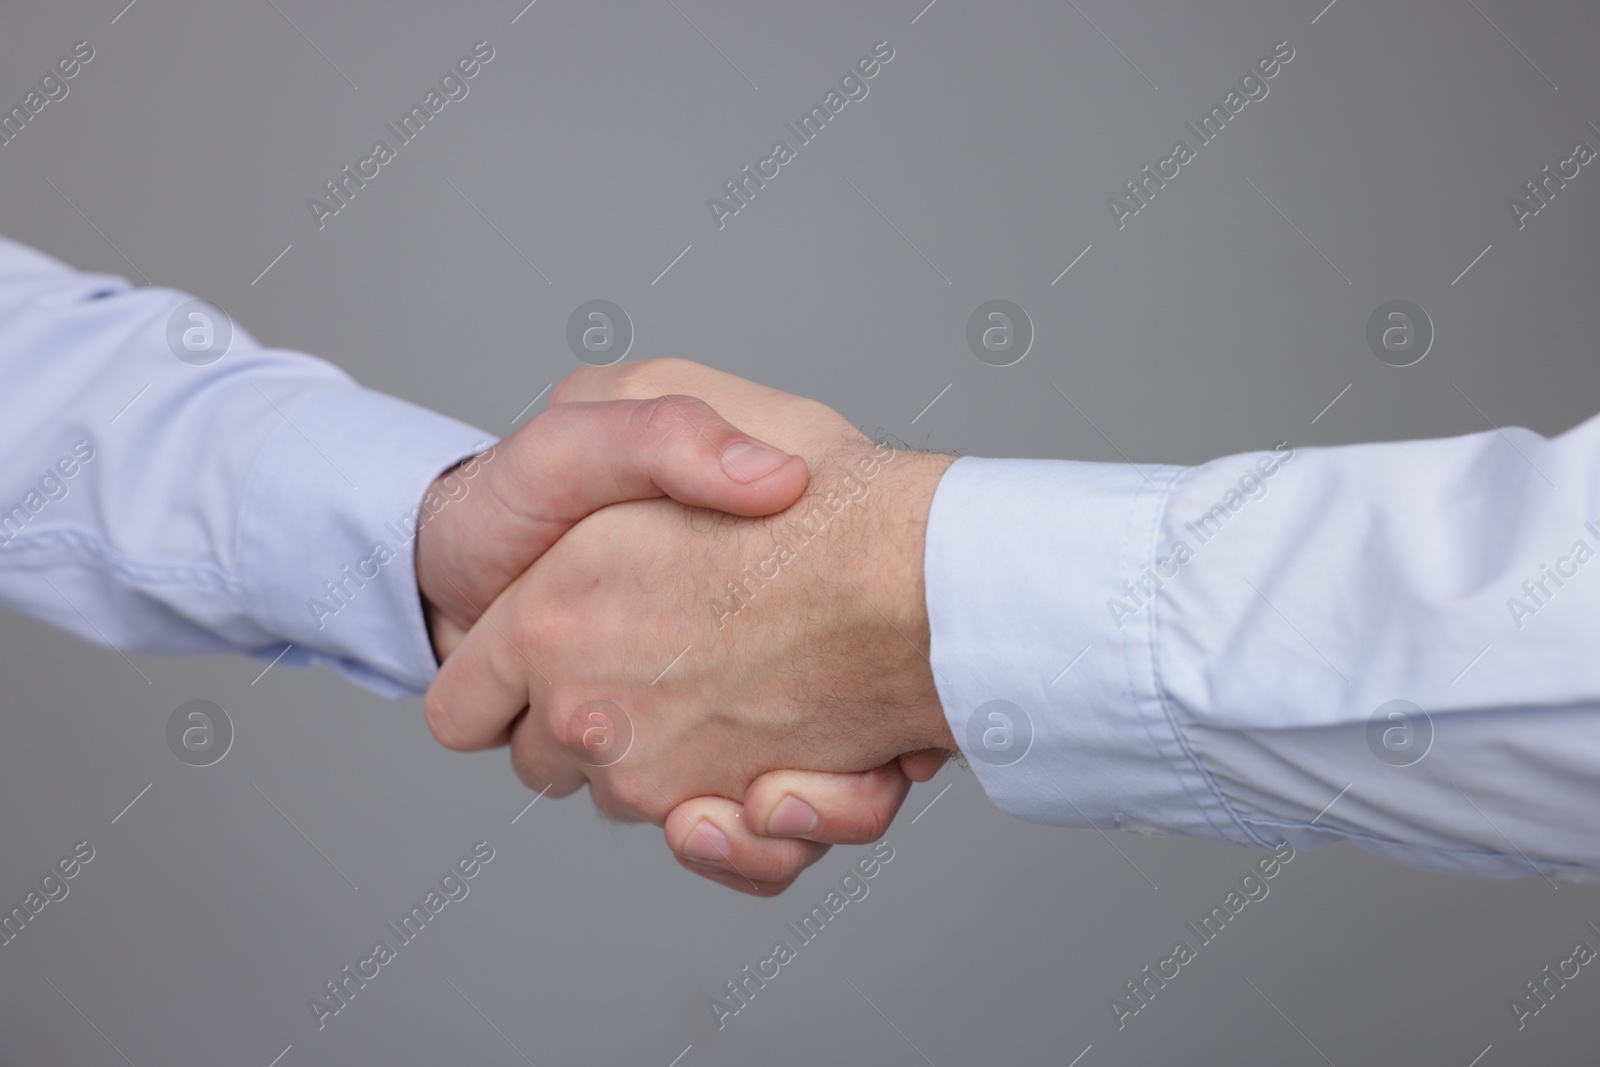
(155, 505)
(1394, 644)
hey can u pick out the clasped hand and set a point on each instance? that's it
(755, 677)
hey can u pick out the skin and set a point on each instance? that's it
(822, 670)
(531, 488)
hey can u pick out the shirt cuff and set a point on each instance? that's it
(327, 532)
(1047, 670)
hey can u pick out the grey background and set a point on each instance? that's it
(992, 140)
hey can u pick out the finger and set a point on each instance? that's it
(708, 835)
(652, 377)
(481, 688)
(543, 765)
(571, 461)
(445, 633)
(838, 809)
(677, 446)
(921, 766)
(735, 881)
(757, 407)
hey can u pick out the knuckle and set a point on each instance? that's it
(670, 418)
(541, 775)
(652, 377)
(571, 385)
(635, 379)
(536, 765)
(524, 763)
(565, 725)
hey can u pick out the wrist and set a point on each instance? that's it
(887, 571)
(429, 568)
(440, 538)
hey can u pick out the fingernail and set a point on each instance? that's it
(707, 843)
(791, 818)
(746, 462)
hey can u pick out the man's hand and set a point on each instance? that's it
(725, 650)
(531, 488)
(794, 423)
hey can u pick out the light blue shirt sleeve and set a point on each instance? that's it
(1393, 644)
(155, 505)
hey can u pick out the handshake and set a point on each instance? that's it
(701, 597)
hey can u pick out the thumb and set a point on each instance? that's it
(575, 459)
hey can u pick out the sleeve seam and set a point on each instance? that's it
(83, 542)
(1357, 837)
